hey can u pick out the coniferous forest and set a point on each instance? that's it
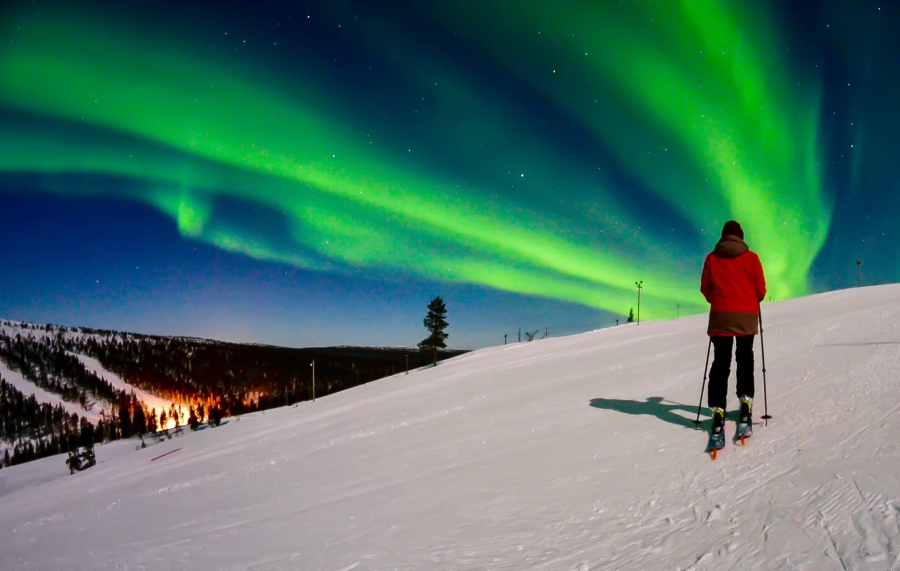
(209, 379)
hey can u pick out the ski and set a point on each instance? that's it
(745, 422)
(743, 432)
(716, 443)
(716, 433)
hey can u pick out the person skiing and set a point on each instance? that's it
(734, 285)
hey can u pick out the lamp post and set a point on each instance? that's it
(640, 286)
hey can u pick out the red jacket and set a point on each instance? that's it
(734, 284)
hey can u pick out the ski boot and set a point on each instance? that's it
(716, 433)
(745, 420)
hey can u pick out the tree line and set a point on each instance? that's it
(34, 430)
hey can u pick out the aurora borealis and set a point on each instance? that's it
(545, 157)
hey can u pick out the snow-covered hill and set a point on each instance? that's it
(575, 453)
(36, 333)
(26, 387)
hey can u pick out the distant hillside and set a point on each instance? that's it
(61, 387)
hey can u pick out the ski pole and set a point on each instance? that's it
(703, 388)
(762, 345)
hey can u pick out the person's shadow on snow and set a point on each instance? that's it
(653, 406)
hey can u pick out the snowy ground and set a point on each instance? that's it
(574, 453)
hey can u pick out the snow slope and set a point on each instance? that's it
(151, 401)
(574, 453)
(27, 388)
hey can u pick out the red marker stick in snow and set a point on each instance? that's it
(166, 454)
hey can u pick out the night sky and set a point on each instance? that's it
(314, 173)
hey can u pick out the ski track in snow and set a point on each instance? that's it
(572, 454)
(26, 387)
(150, 400)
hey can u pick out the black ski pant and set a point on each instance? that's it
(721, 369)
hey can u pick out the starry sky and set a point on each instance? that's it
(314, 173)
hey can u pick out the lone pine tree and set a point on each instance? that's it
(435, 324)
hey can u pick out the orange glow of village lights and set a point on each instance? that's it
(183, 412)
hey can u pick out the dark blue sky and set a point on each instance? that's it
(115, 264)
(310, 174)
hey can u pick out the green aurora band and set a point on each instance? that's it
(107, 98)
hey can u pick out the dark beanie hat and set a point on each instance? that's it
(733, 228)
